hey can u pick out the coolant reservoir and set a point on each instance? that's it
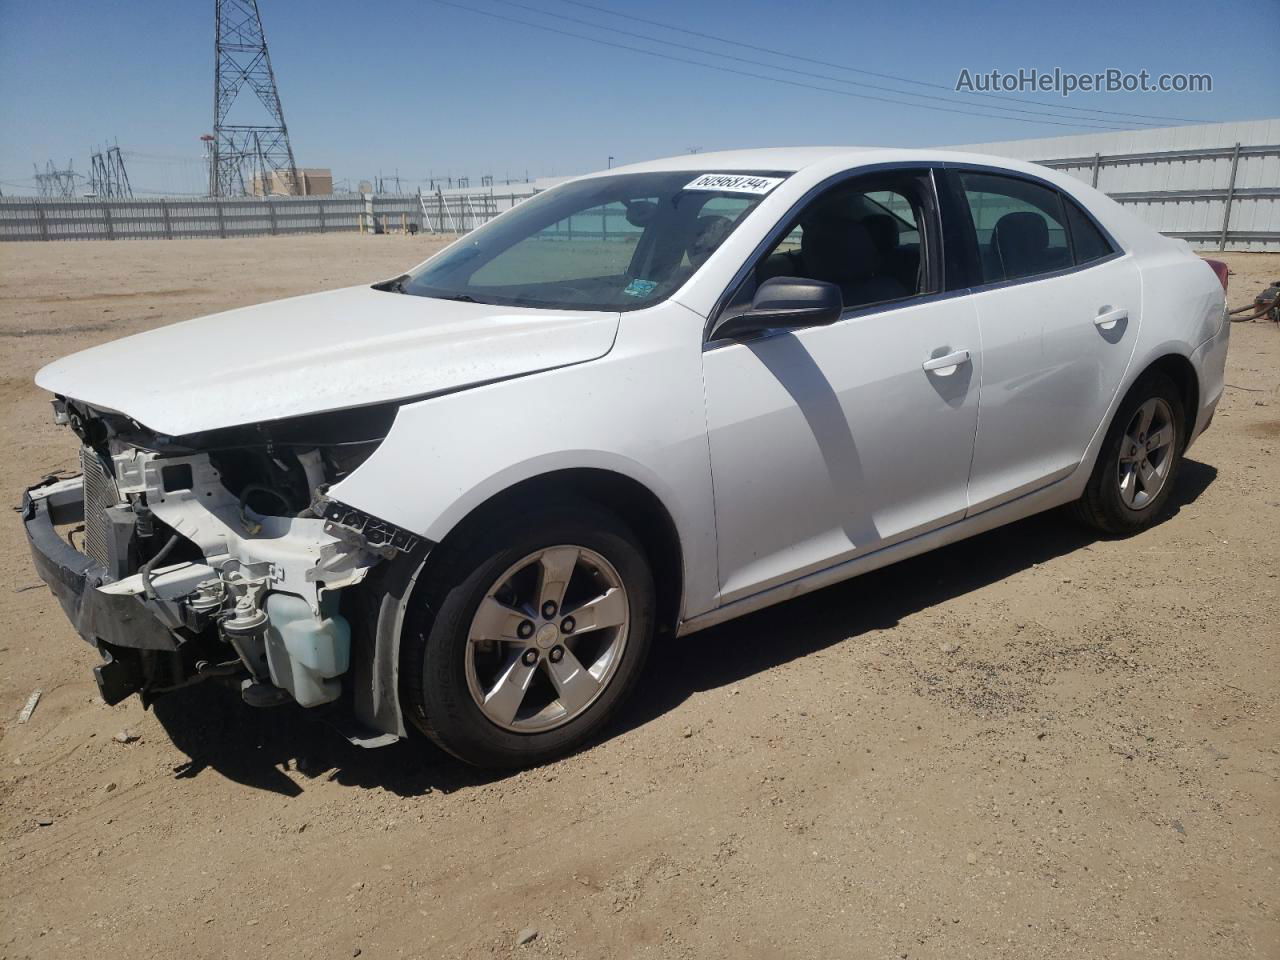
(306, 654)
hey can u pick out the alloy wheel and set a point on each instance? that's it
(547, 638)
(1146, 453)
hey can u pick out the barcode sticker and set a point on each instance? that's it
(734, 183)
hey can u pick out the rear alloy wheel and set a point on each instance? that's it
(1146, 454)
(541, 630)
(1139, 460)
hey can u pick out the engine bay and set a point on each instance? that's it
(228, 540)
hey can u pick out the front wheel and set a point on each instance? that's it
(1139, 459)
(541, 627)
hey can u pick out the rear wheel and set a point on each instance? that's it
(1139, 460)
(540, 630)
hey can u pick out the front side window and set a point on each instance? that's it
(1021, 226)
(864, 236)
(606, 243)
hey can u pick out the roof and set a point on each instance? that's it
(786, 159)
(795, 159)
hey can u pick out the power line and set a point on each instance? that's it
(164, 157)
(808, 73)
(869, 73)
(762, 76)
(156, 192)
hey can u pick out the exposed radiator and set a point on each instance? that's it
(99, 493)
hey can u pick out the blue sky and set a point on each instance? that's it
(434, 89)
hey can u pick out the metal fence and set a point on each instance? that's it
(1217, 197)
(462, 212)
(27, 218)
(167, 218)
(1224, 198)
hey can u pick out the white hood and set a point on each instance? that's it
(320, 352)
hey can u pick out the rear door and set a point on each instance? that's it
(1058, 306)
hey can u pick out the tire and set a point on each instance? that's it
(1125, 494)
(459, 690)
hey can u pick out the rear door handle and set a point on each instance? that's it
(945, 366)
(1108, 319)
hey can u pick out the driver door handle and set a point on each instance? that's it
(1109, 319)
(945, 366)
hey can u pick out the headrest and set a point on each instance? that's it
(1023, 232)
(884, 230)
(640, 212)
(708, 233)
(838, 250)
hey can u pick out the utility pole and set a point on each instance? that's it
(211, 159)
(241, 60)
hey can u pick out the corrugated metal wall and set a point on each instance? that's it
(27, 218)
(1178, 179)
(1185, 181)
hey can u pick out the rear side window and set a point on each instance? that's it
(1021, 226)
(1087, 242)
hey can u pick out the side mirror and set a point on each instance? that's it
(785, 303)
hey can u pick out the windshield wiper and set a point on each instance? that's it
(395, 285)
(398, 286)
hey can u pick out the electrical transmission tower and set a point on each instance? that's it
(107, 175)
(258, 149)
(387, 184)
(55, 183)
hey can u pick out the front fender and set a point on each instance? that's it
(637, 412)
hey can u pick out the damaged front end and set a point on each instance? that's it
(213, 555)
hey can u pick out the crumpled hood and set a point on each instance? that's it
(319, 352)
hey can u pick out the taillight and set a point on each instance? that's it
(1222, 271)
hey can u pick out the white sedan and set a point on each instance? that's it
(647, 401)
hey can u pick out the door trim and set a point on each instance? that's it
(1045, 498)
(853, 313)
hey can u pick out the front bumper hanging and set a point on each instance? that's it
(113, 623)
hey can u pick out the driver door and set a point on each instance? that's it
(831, 442)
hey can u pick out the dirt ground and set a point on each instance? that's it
(1032, 744)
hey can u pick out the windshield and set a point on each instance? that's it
(607, 243)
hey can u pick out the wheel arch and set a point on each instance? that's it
(1167, 359)
(377, 669)
(1091, 505)
(634, 503)
(1182, 372)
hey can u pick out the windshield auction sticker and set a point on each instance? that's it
(734, 183)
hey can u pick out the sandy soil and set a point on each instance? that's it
(1034, 744)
